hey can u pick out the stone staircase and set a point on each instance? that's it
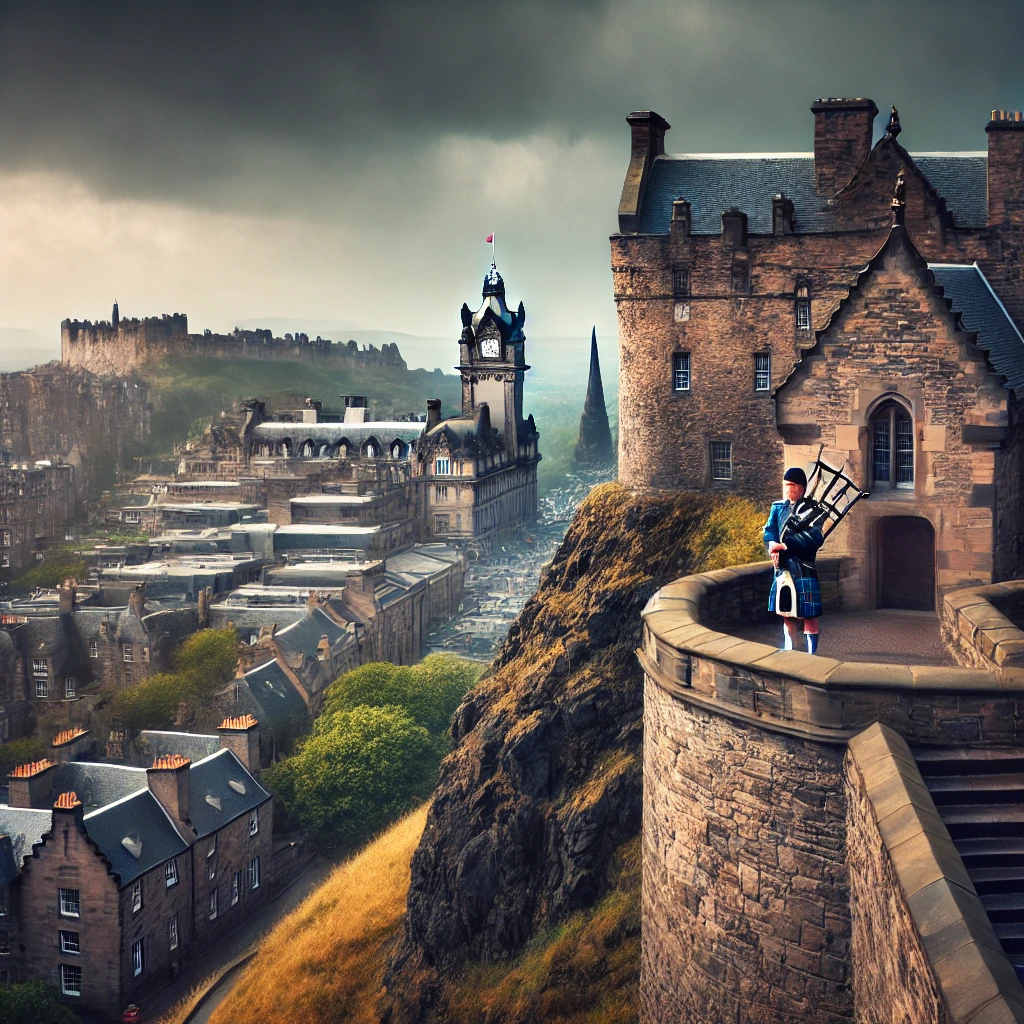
(979, 795)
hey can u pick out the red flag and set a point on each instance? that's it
(489, 238)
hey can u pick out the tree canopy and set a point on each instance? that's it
(33, 1003)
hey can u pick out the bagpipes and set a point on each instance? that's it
(828, 497)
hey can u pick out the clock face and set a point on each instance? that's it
(489, 348)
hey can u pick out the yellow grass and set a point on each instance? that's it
(325, 961)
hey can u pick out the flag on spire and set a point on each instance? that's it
(490, 237)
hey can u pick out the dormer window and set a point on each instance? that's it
(803, 308)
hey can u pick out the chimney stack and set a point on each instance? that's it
(681, 220)
(241, 735)
(734, 226)
(842, 140)
(31, 785)
(66, 808)
(137, 602)
(647, 142)
(169, 781)
(782, 215)
(433, 414)
(67, 596)
(69, 743)
(1005, 167)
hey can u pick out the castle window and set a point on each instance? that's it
(680, 371)
(236, 886)
(892, 448)
(762, 371)
(254, 873)
(721, 460)
(254, 821)
(171, 873)
(212, 915)
(133, 517)
(70, 688)
(440, 524)
(803, 308)
(371, 451)
(443, 467)
(680, 282)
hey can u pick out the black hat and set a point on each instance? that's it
(796, 475)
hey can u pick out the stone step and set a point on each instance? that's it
(998, 879)
(990, 851)
(1003, 907)
(966, 761)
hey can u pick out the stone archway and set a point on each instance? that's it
(906, 563)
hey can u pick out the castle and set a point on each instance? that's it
(119, 346)
(831, 840)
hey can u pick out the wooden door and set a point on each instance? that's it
(907, 552)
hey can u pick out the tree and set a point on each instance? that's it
(430, 691)
(348, 781)
(209, 658)
(22, 751)
(33, 1003)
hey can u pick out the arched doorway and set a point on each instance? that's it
(906, 546)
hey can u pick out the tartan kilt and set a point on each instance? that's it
(808, 593)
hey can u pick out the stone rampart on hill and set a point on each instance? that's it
(757, 821)
(128, 345)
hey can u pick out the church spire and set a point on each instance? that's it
(115, 316)
(594, 445)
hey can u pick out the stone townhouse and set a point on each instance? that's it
(736, 273)
(116, 875)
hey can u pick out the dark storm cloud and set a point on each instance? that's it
(229, 104)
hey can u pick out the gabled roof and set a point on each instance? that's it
(98, 784)
(714, 182)
(25, 827)
(303, 636)
(136, 824)
(213, 801)
(282, 704)
(194, 746)
(982, 311)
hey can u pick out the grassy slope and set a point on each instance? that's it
(325, 961)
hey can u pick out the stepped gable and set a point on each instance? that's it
(594, 443)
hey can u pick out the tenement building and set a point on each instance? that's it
(860, 299)
(112, 876)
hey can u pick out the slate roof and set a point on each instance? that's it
(97, 783)
(714, 183)
(303, 636)
(981, 310)
(210, 778)
(191, 745)
(26, 828)
(276, 695)
(140, 818)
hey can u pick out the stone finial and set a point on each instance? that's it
(894, 124)
(899, 198)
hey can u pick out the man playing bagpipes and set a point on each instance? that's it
(797, 527)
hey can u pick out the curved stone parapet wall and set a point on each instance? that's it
(746, 907)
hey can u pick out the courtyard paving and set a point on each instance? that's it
(898, 637)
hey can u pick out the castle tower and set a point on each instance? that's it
(115, 316)
(492, 360)
(594, 444)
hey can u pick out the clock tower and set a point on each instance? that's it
(492, 362)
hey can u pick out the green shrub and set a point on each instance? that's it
(57, 565)
(352, 778)
(430, 691)
(33, 1003)
(22, 751)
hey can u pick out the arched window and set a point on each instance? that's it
(308, 450)
(371, 451)
(892, 448)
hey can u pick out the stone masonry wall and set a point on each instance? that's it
(746, 914)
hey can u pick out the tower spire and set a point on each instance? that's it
(594, 445)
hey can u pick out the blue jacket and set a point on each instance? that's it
(797, 559)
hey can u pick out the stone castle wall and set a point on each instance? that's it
(120, 350)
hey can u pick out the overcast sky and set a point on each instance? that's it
(345, 161)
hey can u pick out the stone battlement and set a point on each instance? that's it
(123, 345)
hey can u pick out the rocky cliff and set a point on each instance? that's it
(543, 788)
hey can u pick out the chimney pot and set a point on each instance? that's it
(241, 735)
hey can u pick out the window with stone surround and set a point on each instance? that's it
(892, 448)
(94, 648)
(39, 669)
(42, 688)
(803, 307)
(680, 282)
(127, 653)
(71, 979)
(136, 895)
(721, 460)
(70, 688)
(441, 492)
(69, 943)
(762, 371)
(171, 873)
(680, 371)
(138, 957)
(443, 466)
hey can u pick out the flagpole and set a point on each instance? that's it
(492, 247)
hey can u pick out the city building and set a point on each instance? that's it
(112, 876)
